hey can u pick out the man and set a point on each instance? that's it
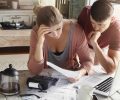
(102, 30)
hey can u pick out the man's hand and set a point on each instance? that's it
(94, 37)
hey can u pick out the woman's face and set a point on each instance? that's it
(100, 26)
(56, 31)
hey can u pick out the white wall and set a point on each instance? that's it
(89, 2)
(116, 10)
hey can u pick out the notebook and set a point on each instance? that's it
(110, 85)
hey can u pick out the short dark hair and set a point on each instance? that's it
(48, 16)
(101, 10)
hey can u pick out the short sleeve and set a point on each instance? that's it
(115, 36)
(81, 17)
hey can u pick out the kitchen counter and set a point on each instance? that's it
(61, 91)
(10, 38)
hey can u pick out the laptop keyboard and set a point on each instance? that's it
(105, 85)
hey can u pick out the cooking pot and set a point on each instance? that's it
(9, 81)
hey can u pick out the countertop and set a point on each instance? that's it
(10, 38)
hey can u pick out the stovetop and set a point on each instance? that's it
(14, 25)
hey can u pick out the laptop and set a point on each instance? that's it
(110, 85)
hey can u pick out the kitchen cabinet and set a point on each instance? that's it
(12, 38)
(17, 16)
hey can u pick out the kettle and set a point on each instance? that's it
(9, 81)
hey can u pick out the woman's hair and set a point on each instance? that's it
(101, 10)
(36, 9)
(48, 16)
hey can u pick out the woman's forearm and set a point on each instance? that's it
(39, 50)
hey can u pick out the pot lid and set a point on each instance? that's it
(10, 71)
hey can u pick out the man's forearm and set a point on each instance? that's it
(107, 62)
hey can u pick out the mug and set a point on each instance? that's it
(14, 4)
(85, 93)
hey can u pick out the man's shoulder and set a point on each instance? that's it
(115, 20)
(115, 24)
(87, 8)
(113, 30)
(85, 13)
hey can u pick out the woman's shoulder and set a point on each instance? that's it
(72, 25)
(35, 29)
(67, 21)
(78, 32)
(76, 26)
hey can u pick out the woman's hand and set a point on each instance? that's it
(82, 72)
(42, 31)
(73, 80)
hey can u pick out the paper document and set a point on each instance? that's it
(65, 72)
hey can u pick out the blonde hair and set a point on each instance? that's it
(48, 15)
(36, 9)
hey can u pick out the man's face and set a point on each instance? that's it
(100, 26)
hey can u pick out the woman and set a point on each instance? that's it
(58, 41)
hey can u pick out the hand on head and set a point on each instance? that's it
(43, 30)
